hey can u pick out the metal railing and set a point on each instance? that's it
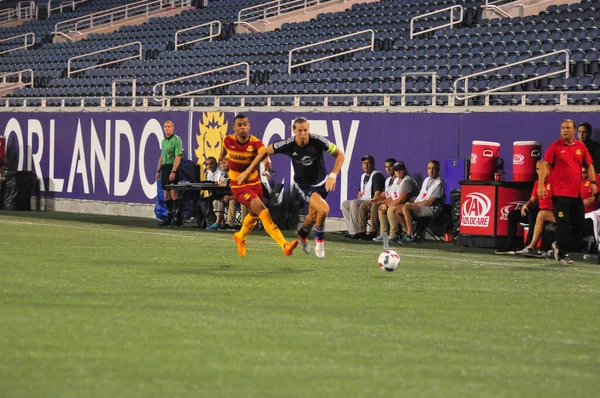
(133, 90)
(451, 23)
(165, 83)
(262, 12)
(211, 34)
(24, 10)
(70, 4)
(72, 72)
(108, 17)
(466, 96)
(25, 45)
(370, 47)
(386, 102)
(19, 83)
(498, 10)
(433, 86)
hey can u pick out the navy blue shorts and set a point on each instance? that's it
(306, 190)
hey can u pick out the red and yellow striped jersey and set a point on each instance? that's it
(240, 156)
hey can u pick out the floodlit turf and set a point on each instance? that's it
(91, 308)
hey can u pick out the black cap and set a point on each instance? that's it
(368, 157)
(399, 166)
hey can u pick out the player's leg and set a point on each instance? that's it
(407, 213)
(305, 229)
(542, 218)
(169, 206)
(322, 209)
(256, 206)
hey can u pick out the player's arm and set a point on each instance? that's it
(259, 158)
(223, 151)
(337, 166)
(592, 176)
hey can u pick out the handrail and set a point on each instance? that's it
(69, 38)
(7, 14)
(371, 47)
(248, 25)
(72, 72)
(498, 10)
(260, 12)
(164, 83)
(209, 37)
(25, 44)
(125, 11)
(64, 4)
(19, 12)
(433, 85)
(133, 88)
(451, 23)
(466, 78)
(20, 74)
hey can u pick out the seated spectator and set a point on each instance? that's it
(404, 190)
(428, 203)
(527, 213)
(590, 201)
(372, 183)
(368, 210)
(221, 177)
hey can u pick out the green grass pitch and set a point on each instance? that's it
(95, 306)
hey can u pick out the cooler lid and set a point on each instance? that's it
(528, 143)
(489, 143)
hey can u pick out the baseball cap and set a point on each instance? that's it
(368, 157)
(399, 166)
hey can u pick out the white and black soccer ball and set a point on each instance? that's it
(389, 260)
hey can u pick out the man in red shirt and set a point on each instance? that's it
(567, 156)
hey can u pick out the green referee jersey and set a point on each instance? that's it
(170, 148)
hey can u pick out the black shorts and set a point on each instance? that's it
(165, 171)
(306, 190)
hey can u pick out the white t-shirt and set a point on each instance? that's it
(431, 188)
(406, 184)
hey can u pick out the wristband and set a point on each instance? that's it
(173, 172)
(595, 182)
(332, 175)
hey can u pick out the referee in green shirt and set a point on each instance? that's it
(168, 165)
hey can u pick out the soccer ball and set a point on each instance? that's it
(389, 260)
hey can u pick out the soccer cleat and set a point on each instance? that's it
(213, 227)
(303, 242)
(378, 238)
(525, 252)
(556, 251)
(319, 249)
(289, 247)
(241, 245)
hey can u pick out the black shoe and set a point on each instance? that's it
(166, 223)
(365, 236)
(354, 236)
(177, 222)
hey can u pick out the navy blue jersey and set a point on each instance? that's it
(309, 166)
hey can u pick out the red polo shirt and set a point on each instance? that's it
(586, 192)
(546, 203)
(566, 161)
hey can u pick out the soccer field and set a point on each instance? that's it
(95, 306)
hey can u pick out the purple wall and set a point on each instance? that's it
(71, 153)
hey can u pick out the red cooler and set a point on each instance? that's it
(525, 156)
(484, 160)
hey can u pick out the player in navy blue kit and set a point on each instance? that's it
(310, 177)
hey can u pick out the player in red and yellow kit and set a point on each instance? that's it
(241, 148)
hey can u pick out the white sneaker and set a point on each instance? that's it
(320, 249)
(303, 242)
(378, 238)
(525, 252)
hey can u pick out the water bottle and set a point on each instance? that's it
(386, 241)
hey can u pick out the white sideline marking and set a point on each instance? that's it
(266, 241)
